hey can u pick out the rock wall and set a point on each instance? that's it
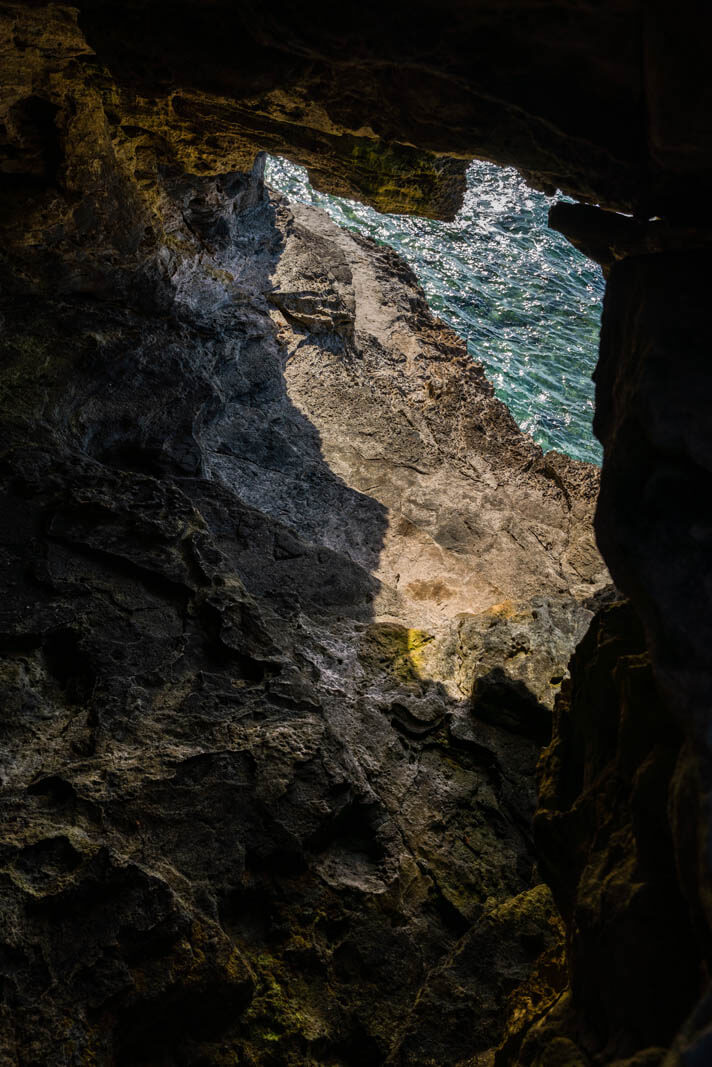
(623, 827)
(288, 598)
(609, 102)
(616, 839)
(275, 559)
(654, 527)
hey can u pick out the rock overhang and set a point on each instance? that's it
(386, 104)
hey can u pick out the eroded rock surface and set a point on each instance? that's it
(609, 102)
(288, 600)
(233, 600)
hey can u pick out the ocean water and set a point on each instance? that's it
(525, 301)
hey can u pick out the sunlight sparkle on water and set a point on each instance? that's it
(527, 303)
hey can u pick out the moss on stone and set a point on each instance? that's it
(397, 650)
(284, 1009)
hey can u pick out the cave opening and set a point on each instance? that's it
(527, 302)
(289, 599)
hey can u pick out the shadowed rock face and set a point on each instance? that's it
(265, 525)
(608, 102)
(615, 831)
(288, 598)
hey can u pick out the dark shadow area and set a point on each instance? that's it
(189, 626)
(506, 702)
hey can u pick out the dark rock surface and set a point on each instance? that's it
(288, 597)
(231, 598)
(609, 101)
(615, 829)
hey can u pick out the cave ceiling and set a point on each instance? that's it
(609, 102)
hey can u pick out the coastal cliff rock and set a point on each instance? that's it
(288, 598)
(653, 422)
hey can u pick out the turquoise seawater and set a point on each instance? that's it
(525, 301)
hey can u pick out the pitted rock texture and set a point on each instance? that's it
(288, 601)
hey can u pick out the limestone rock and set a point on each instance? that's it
(608, 102)
(264, 528)
(287, 597)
